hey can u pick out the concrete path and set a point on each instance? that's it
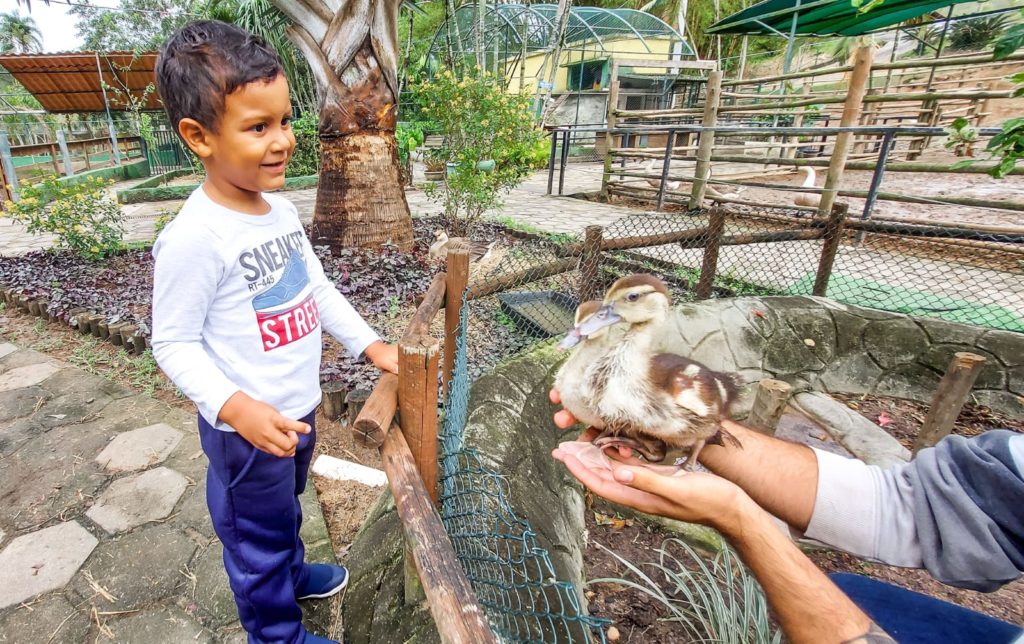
(104, 532)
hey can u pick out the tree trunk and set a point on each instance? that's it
(360, 200)
(353, 54)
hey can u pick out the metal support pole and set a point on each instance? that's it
(792, 37)
(551, 160)
(114, 147)
(8, 163)
(565, 160)
(665, 164)
(106, 106)
(876, 178)
(69, 168)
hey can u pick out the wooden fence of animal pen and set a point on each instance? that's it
(768, 126)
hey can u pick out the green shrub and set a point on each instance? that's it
(83, 216)
(306, 158)
(479, 122)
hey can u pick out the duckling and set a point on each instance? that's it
(572, 375)
(642, 396)
(478, 253)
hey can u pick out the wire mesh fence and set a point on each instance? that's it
(524, 289)
(512, 576)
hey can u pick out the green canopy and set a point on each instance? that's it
(824, 17)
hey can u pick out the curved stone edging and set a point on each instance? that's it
(818, 344)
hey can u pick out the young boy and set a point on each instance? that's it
(239, 300)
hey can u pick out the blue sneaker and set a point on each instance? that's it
(316, 639)
(324, 580)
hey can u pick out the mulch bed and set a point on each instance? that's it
(903, 418)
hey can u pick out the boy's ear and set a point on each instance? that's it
(196, 137)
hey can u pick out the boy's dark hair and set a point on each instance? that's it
(203, 62)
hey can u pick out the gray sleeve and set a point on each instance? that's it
(957, 510)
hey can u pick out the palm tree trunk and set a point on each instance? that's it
(353, 55)
(360, 200)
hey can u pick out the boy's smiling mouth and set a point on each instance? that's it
(274, 167)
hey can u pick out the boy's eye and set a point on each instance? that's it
(286, 121)
(259, 128)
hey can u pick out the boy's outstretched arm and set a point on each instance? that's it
(341, 320)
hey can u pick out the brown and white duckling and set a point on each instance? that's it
(572, 376)
(643, 396)
(478, 252)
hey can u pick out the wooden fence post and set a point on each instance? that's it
(417, 408)
(949, 399)
(590, 264)
(332, 399)
(709, 265)
(769, 403)
(707, 140)
(456, 280)
(851, 113)
(417, 403)
(832, 235)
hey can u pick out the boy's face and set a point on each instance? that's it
(254, 138)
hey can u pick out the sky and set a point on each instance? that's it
(57, 27)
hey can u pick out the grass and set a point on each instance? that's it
(524, 227)
(716, 600)
(141, 372)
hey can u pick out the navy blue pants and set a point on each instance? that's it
(254, 503)
(911, 617)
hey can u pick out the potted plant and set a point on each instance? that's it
(435, 160)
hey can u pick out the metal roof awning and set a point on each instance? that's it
(73, 81)
(824, 17)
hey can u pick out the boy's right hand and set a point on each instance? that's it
(262, 425)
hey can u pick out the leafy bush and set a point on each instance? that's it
(479, 122)
(305, 160)
(976, 33)
(83, 216)
(409, 136)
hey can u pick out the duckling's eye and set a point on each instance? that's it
(633, 297)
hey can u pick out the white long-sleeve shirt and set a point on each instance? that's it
(239, 301)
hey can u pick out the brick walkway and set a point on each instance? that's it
(103, 523)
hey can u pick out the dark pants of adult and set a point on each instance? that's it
(254, 504)
(911, 617)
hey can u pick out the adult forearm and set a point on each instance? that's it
(781, 477)
(808, 606)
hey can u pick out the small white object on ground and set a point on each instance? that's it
(342, 470)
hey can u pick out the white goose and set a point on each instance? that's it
(808, 198)
(715, 196)
(656, 183)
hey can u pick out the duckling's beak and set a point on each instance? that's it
(604, 317)
(570, 340)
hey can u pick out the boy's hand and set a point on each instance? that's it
(262, 425)
(383, 356)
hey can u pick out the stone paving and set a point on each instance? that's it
(104, 533)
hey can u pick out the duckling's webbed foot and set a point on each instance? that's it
(652, 449)
(691, 461)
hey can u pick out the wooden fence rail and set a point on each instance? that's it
(409, 455)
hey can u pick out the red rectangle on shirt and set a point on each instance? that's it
(279, 328)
